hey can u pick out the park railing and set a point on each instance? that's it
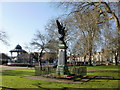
(50, 70)
(78, 70)
(44, 70)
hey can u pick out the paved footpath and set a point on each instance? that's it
(55, 80)
(2, 67)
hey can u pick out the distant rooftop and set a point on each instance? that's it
(18, 48)
(4, 56)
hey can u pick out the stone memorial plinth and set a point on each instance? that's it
(62, 68)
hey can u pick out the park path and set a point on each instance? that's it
(55, 80)
(2, 67)
(104, 71)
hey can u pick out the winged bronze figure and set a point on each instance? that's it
(61, 31)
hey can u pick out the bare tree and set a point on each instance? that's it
(107, 12)
(29, 47)
(44, 42)
(89, 32)
(110, 42)
(52, 46)
(3, 37)
(39, 42)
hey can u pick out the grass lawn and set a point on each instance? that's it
(12, 79)
(109, 67)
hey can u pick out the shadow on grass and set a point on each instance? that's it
(16, 73)
(70, 88)
(6, 88)
(113, 75)
(95, 78)
(41, 88)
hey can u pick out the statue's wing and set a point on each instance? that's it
(59, 27)
(58, 24)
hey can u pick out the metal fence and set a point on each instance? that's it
(44, 70)
(78, 71)
(50, 71)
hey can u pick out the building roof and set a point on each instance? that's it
(4, 56)
(18, 48)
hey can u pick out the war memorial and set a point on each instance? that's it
(67, 46)
(62, 70)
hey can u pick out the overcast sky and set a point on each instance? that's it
(20, 20)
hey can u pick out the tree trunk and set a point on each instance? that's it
(39, 62)
(84, 59)
(39, 59)
(90, 47)
(90, 61)
(116, 59)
